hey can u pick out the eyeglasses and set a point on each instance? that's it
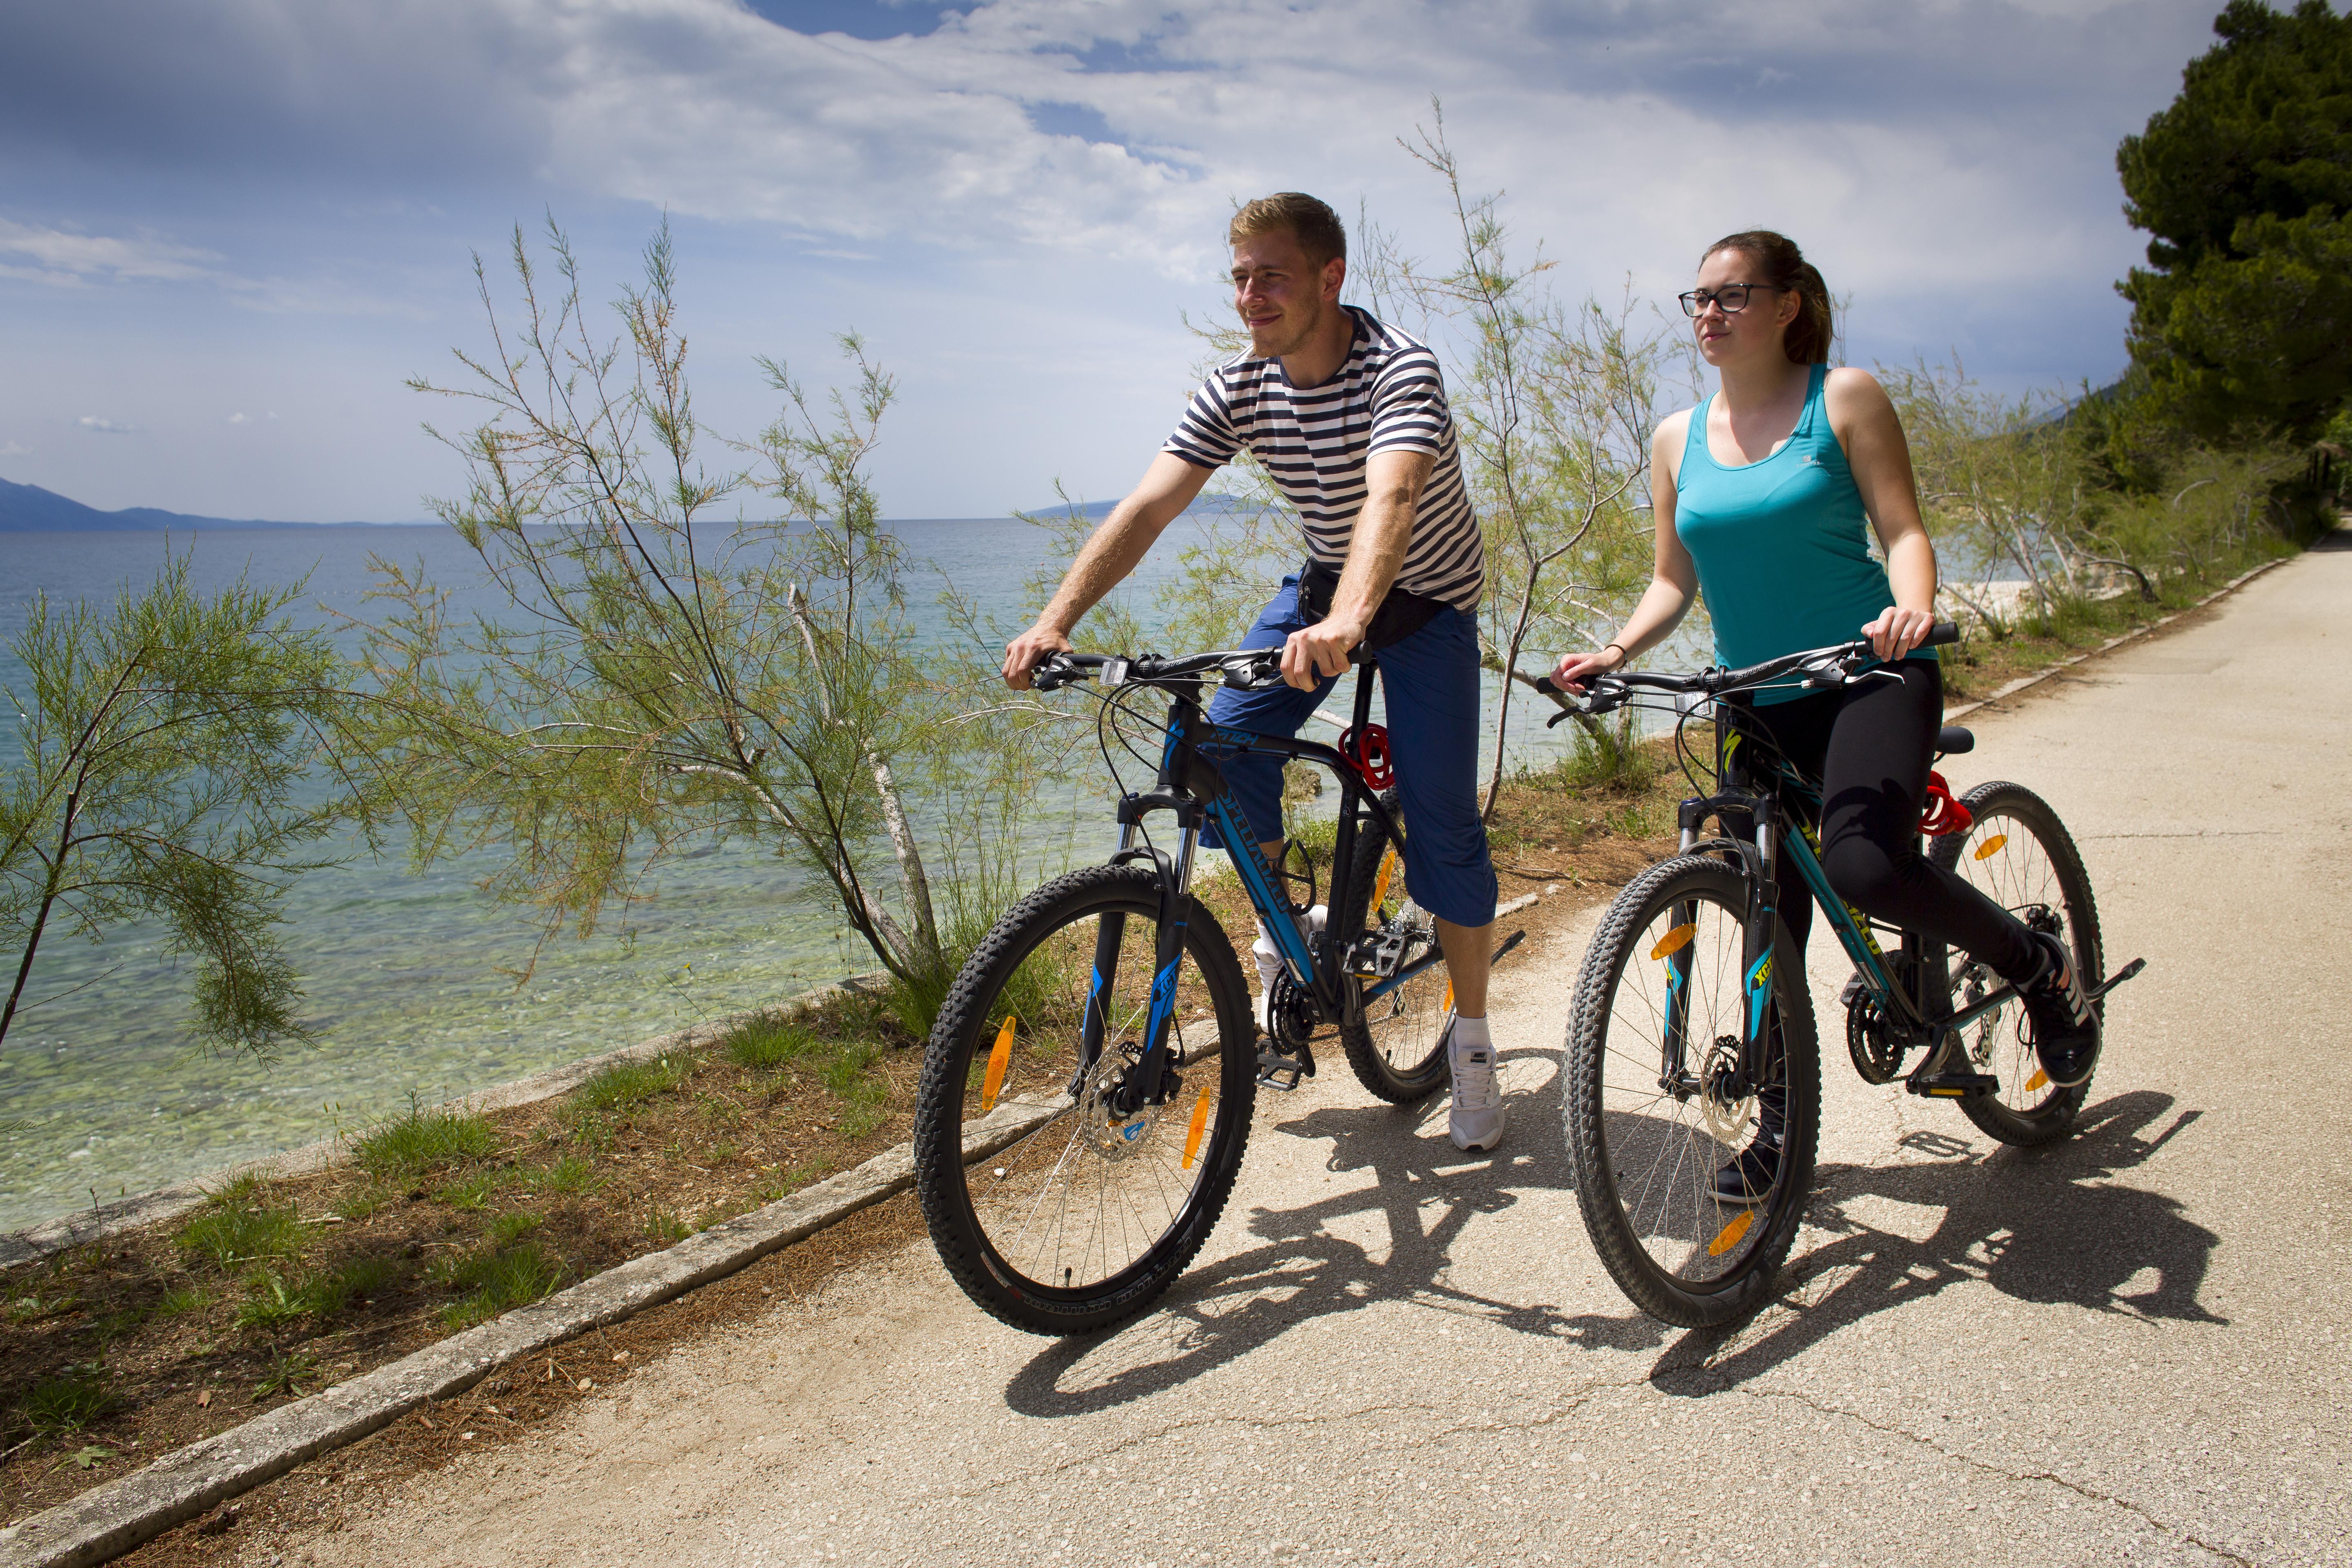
(1731, 299)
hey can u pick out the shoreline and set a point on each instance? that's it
(50, 1237)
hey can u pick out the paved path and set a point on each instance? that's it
(2127, 1349)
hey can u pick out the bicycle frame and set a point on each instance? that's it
(1191, 787)
(1922, 1013)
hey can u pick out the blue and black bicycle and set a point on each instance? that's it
(1691, 1045)
(1087, 1089)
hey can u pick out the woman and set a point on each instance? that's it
(1762, 493)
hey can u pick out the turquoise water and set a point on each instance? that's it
(402, 973)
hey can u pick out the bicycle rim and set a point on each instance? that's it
(1398, 1049)
(1659, 1012)
(2018, 854)
(1083, 1211)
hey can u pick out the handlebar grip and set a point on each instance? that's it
(1942, 632)
(1549, 688)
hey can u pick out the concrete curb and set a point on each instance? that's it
(36, 1242)
(2025, 681)
(109, 1520)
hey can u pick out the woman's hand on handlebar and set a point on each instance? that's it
(1025, 653)
(1576, 669)
(1898, 631)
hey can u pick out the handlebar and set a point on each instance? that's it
(1832, 666)
(1249, 669)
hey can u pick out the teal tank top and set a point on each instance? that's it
(1782, 544)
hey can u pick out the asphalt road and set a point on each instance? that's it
(2128, 1348)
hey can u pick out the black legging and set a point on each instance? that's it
(1870, 745)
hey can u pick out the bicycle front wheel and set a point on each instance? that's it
(1054, 1210)
(2018, 854)
(1398, 1047)
(1657, 1106)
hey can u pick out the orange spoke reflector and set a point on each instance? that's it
(2038, 1080)
(1729, 1236)
(1381, 882)
(1992, 847)
(1675, 940)
(1199, 1124)
(1447, 1006)
(999, 1057)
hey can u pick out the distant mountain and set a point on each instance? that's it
(1208, 502)
(29, 509)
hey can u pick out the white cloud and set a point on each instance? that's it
(106, 426)
(14, 449)
(240, 418)
(64, 256)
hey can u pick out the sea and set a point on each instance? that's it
(410, 979)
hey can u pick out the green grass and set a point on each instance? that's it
(766, 1042)
(275, 1300)
(864, 1096)
(232, 1237)
(77, 1397)
(663, 1228)
(470, 1191)
(286, 1374)
(494, 1277)
(422, 1142)
(33, 1309)
(508, 1228)
(626, 1084)
(181, 1300)
(244, 1191)
(570, 1174)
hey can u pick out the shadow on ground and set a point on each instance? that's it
(2041, 1226)
(2037, 1225)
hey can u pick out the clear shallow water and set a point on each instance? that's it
(402, 973)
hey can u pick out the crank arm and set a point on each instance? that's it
(2117, 978)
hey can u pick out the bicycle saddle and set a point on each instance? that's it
(1952, 740)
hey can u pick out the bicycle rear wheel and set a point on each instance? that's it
(1398, 1048)
(1656, 1025)
(2019, 855)
(1052, 1211)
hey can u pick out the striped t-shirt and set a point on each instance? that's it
(1313, 442)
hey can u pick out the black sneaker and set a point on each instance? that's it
(1750, 1178)
(2065, 1028)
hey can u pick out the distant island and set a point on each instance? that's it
(29, 509)
(1206, 501)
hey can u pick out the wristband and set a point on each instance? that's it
(1623, 658)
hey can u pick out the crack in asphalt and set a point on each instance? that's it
(2089, 1493)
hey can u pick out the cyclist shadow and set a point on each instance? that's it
(1311, 1265)
(2035, 1225)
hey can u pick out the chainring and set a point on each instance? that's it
(1877, 1054)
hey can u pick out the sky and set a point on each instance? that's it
(231, 230)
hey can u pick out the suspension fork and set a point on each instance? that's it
(1761, 943)
(1336, 990)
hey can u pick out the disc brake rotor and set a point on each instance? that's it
(1729, 1121)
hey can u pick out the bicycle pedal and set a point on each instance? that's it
(1953, 1085)
(1272, 1064)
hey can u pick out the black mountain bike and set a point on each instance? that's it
(1693, 1021)
(1087, 1089)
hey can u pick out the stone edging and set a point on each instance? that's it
(119, 1215)
(2039, 675)
(111, 1519)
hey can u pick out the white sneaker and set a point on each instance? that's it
(1478, 1116)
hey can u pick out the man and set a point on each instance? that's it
(1349, 416)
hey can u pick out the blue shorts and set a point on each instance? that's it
(1431, 682)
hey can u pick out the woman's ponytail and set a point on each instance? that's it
(1783, 266)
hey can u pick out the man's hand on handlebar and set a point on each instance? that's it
(1575, 668)
(1320, 650)
(1025, 653)
(1898, 631)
